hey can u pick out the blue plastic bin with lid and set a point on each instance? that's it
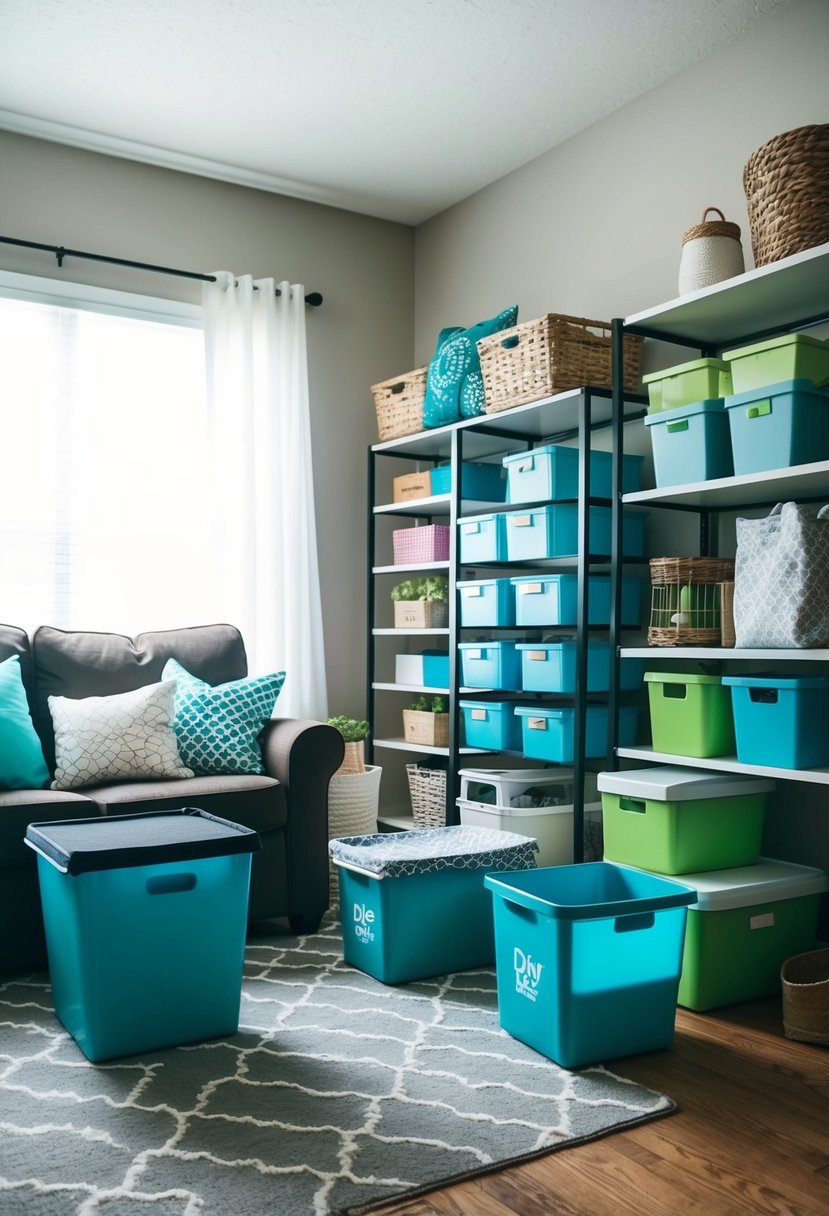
(483, 538)
(588, 959)
(489, 602)
(552, 599)
(552, 531)
(485, 482)
(779, 426)
(548, 732)
(145, 919)
(551, 667)
(781, 721)
(551, 473)
(691, 443)
(490, 664)
(413, 904)
(491, 725)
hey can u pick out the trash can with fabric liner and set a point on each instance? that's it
(145, 920)
(413, 904)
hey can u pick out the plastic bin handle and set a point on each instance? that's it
(634, 922)
(633, 804)
(677, 426)
(759, 409)
(676, 691)
(765, 696)
(168, 884)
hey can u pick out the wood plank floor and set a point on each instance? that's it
(751, 1136)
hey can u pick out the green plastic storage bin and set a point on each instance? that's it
(790, 357)
(690, 714)
(745, 924)
(686, 383)
(677, 820)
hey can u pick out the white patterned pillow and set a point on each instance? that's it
(126, 737)
(218, 724)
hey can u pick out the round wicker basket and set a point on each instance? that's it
(353, 799)
(786, 183)
(805, 983)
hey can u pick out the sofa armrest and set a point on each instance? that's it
(303, 755)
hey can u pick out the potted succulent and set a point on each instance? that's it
(353, 791)
(426, 722)
(421, 603)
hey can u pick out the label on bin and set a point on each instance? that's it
(764, 921)
(470, 591)
(527, 974)
(537, 656)
(529, 588)
(520, 521)
(537, 723)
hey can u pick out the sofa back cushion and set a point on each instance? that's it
(79, 664)
(16, 641)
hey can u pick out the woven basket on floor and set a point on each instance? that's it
(550, 355)
(686, 600)
(786, 183)
(805, 983)
(399, 404)
(353, 798)
(427, 788)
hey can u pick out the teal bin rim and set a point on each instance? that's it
(499, 705)
(711, 405)
(480, 582)
(593, 643)
(476, 519)
(782, 682)
(659, 893)
(692, 365)
(791, 339)
(805, 387)
(488, 644)
(674, 677)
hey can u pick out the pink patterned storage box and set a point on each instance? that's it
(426, 544)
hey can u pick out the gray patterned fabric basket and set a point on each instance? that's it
(431, 850)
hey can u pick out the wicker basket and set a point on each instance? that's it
(786, 183)
(550, 355)
(425, 728)
(420, 614)
(686, 600)
(729, 637)
(399, 404)
(805, 983)
(427, 789)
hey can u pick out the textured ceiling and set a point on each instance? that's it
(394, 108)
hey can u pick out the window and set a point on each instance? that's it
(105, 501)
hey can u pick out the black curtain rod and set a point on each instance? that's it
(314, 299)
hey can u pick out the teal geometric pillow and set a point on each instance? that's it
(217, 725)
(22, 766)
(454, 385)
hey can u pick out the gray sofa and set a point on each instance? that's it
(287, 805)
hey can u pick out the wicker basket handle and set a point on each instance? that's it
(717, 210)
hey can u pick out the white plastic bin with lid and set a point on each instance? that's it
(413, 904)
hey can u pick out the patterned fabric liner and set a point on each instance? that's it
(430, 850)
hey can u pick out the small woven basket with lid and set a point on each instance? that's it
(711, 252)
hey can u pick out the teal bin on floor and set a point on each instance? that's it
(552, 599)
(588, 959)
(145, 919)
(691, 443)
(551, 473)
(779, 426)
(487, 602)
(552, 531)
(413, 904)
(781, 721)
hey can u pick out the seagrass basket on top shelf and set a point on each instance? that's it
(690, 601)
(550, 355)
(398, 404)
(786, 182)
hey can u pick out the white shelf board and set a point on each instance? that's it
(403, 745)
(727, 764)
(438, 504)
(382, 687)
(410, 633)
(409, 568)
(403, 822)
(719, 652)
(780, 294)
(775, 485)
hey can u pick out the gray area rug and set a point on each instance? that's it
(337, 1093)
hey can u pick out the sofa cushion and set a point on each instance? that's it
(255, 802)
(217, 726)
(125, 737)
(80, 664)
(16, 641)
(21, 757)
(19, 808)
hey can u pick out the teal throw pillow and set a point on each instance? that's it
(217, 725)
(22, 766)
(454, 386)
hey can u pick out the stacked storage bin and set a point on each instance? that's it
(751, 913)
(687, 422)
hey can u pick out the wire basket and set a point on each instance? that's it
(398, 404)
(686, 600)
(427, 789)
(786, 183)
(804, 980)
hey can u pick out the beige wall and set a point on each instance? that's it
(362, 333)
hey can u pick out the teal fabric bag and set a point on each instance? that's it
(454, 385)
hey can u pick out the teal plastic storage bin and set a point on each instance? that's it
(491, 725)
(490, 665)
(485, 482)
(430, 669)
(553, 532)
(145, 919)
(551, 667)
(691, 443)
(414, 904)
(552, 599)
(779, 721)
(685, 383)
(788, 357)
(548, 732)
(587, 959)
(551, 473)
(482, 539)
(488, 602)
(779, 426)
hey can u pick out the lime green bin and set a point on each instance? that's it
(790, 357)
(688, 383)
(690, 714)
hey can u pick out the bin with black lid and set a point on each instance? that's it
(145, 919)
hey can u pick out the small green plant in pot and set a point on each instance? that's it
(426, 722)
(421, 603)
(354, 732)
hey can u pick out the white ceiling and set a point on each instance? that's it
(394, 108)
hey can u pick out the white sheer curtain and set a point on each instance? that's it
(262, 479)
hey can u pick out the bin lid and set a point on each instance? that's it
(79, 846)
(772, 344)
(784, 683)
(804, 388)
(565, 643)
(670, 783)
(476, 519)
(430, 850)
(711, 405)
(536, 776)
(479, 582)
(743, 886)
(679, 368)
(681, 677)
(488, 644)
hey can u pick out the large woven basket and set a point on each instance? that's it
(424, 728)
(353, 799)
(550, 355)
(399, 404)
(786, 182)
(804, 980)
(427, 789)
(686, 600)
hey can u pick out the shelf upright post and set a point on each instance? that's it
(582, 617)
(456, 467)
(370, 534)
(617, 410)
